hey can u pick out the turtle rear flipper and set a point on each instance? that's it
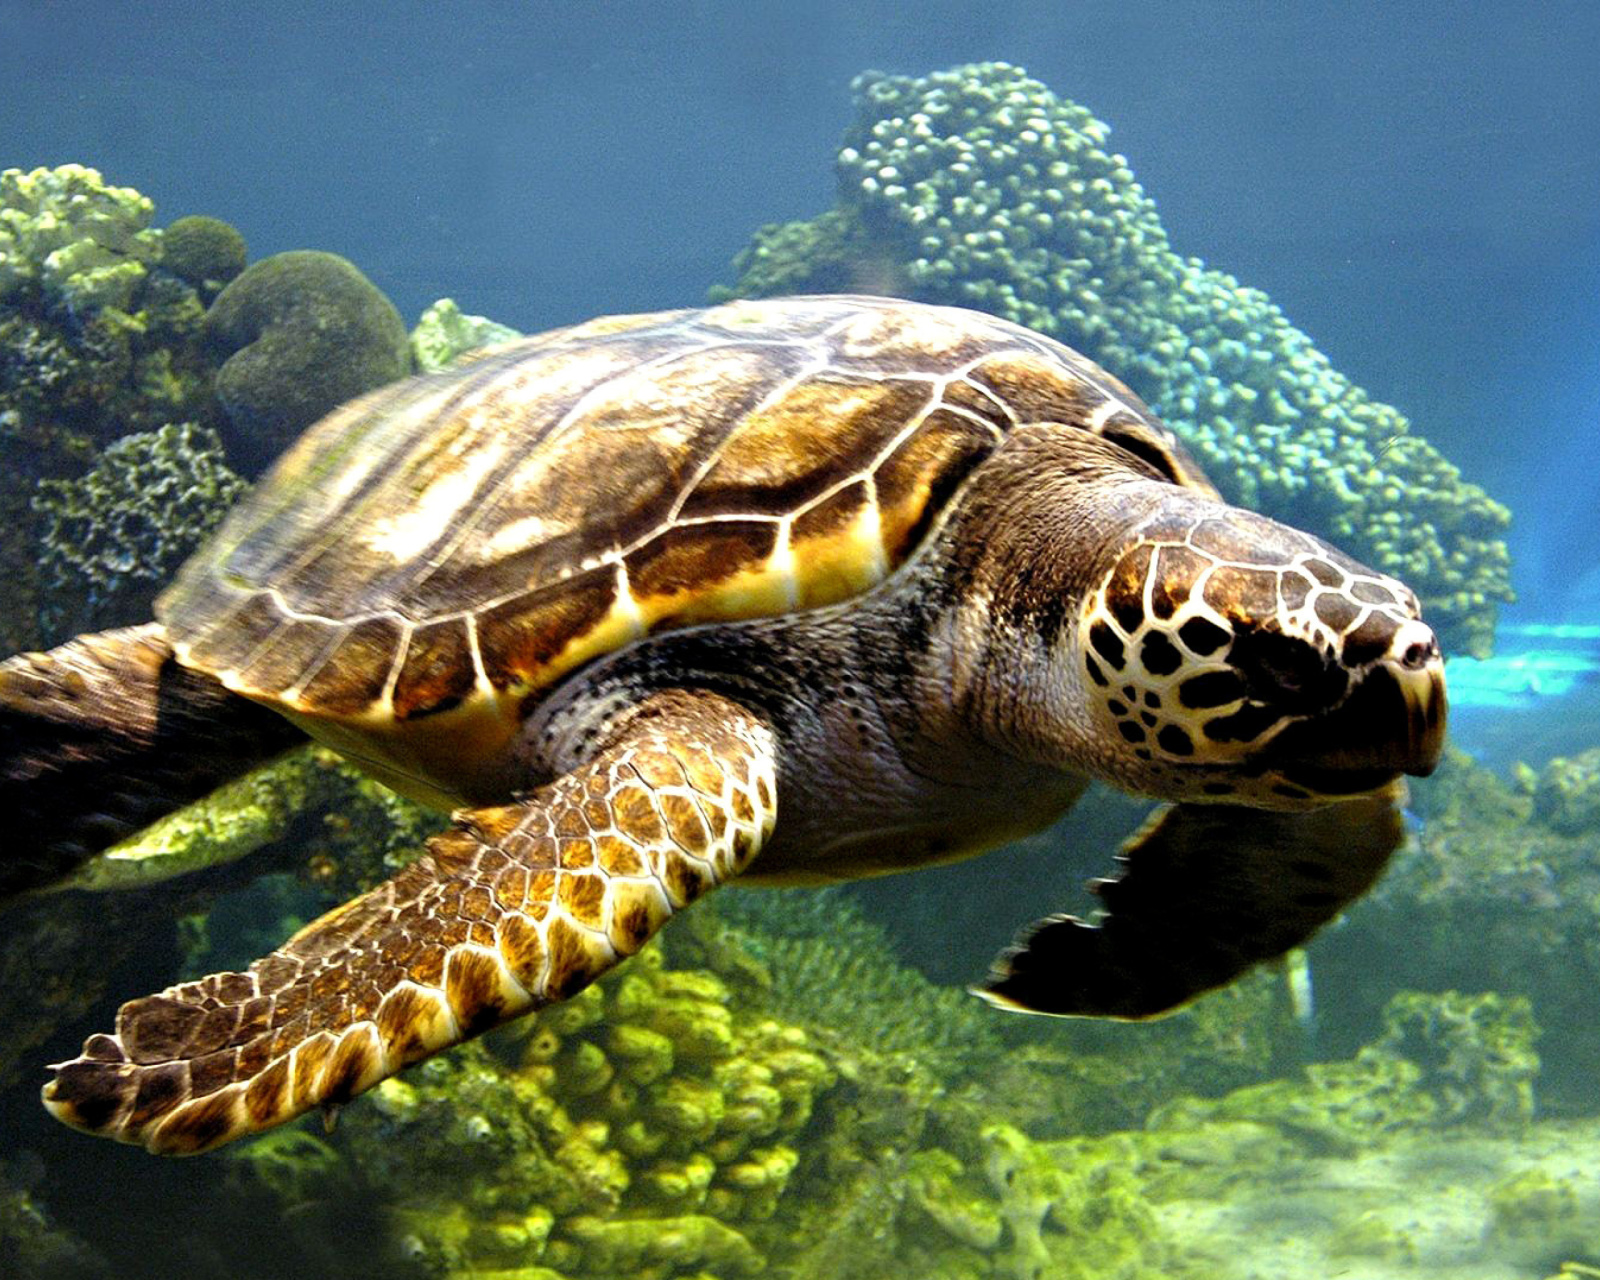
(515, 907)
(1209, 891)
(101, 736)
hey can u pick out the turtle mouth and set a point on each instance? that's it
(1392, 722)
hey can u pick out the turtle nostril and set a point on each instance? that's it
(1416, 646)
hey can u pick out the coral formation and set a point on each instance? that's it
(1476, 1052)
(643, 1128)
(659, 1126)
(1566, 793)
(112, 536)
(205, 252)
(444, 332)
(298, 334)
(1483, 866)
(97, 341)
(980, 187)
(85, 245)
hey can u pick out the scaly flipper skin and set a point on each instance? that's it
(516, 907)
(103, 735)
(1210, 890)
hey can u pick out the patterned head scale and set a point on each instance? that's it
(1257, 662)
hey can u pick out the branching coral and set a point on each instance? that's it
(85, 244)
(980, 187)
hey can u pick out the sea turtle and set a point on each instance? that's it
(797, 590)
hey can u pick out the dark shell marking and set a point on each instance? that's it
(473, 535)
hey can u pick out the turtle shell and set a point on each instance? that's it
(473, 535)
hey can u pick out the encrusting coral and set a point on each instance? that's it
(980, 187)
(1566, 793)
(111, 537)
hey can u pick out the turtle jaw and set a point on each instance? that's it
(1392, 722)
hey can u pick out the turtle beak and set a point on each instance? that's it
(1417, 667)
(1392, 722)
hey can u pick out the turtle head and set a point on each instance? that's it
(1228, 657)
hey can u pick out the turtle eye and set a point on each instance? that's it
(1287, 673)
(1142, 446)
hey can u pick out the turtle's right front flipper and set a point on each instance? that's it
(101, 736)
(1208, 891)
(516, 907)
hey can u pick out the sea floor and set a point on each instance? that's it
(1442, 1205)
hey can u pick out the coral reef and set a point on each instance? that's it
(643, 1128)
(980, 187)
(657, 1126)
(97, 341)
(444, 332)
(298, 334)
(111, 537)
(1482, 866)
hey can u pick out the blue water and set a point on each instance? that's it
(1417, 185)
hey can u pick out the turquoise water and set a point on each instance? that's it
(1347, 251)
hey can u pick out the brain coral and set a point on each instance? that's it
(298, 333)
(980, 187)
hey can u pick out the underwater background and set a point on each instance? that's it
(1350, 251)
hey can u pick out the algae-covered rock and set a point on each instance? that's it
(114, 535)
(980, 187)
(298, 334)
(205, 252)
(445, 332)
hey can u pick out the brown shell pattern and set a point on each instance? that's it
(484, 530)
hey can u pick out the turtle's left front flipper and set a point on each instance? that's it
(515, 907)
(1209, 891)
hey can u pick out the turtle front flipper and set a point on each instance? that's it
(102, 735)
(515, 907)
(1209, 891)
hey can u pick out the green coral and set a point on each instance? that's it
(1476, 1052)
(815, 956)
(445, 332)
(642, 1128)
(110, 537)
(84, 244)
(97, 341)
(1566, 795)
(1441, 1060)
(205, 252)
(1536, 1203)
(980, 187)
(298, 334)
